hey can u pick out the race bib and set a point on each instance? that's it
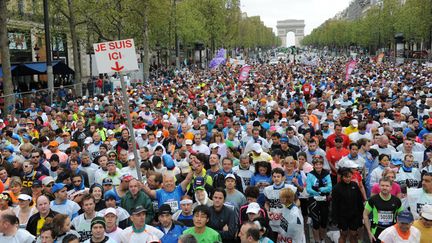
(385, 217)
(320, 198)
(174, 206)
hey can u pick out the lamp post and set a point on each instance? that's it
(48, 51)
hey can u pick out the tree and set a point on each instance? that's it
(5, 60)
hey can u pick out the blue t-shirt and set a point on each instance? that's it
(170, 198)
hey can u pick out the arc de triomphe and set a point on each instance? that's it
(294, 25)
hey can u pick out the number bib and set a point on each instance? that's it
(385, 217)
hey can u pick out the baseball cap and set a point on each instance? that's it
(9, 148)
(426, 211)
(110, 194)
(126, 177)
(53, 144)
(110, 210)
(257, 148)
(88, 140)
(164, 209)
(57, 187)
(284, 140)
(396, 161)
(24, 197)
(283, 120)
(107, 181)
(253, 207)
(37, 183)
(159, 134)
(405, 217)
(429, 121)
(47, 180)
(213, 145)
(354, 123)
(230, 176)
(199, 181)
(184, 167)
(188, 142)
(138, 210)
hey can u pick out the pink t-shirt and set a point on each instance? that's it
(394, 191)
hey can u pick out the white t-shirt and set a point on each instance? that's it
(275, 206)
(21, 236)
(129, 236)
(390, 235)
(70, 208)
(416, 198)
(291, 226)
(409, 179)
(115, 235)
(108, 241)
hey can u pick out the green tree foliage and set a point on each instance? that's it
(378, 26)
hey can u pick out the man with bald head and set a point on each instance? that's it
(169, 193)
(383, 146)
(37, 220)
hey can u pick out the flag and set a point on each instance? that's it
(349, 68)
(380, 58)
(244, 73)
(218, 59)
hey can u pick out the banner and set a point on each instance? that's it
(218, 59)
(235, 62)
(244, 73)
(380, 58)
(349, 68)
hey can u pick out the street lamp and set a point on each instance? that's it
(36, 50)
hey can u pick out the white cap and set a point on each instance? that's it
(24, 197)
(213, 145)
(96, 107)
(283, 120)
(110, 132)
(47, 180)
(426, 211)
(354, 123)
(131, 156)
(88, 140)
(257, 148)
(188, 142)
(347, 164)
(184, 167)
(159, 134)
(1, 120)
(230, 176)
(110, 210)
(253, 207)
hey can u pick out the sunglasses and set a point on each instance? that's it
(49, 185)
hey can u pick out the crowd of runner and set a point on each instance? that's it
(293, 147)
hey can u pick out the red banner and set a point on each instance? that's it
(244, 73)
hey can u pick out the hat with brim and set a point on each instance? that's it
(426, 211)
(138, 209)
(405, 217)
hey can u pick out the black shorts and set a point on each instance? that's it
(345, 224)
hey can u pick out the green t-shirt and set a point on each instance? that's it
(209, 236)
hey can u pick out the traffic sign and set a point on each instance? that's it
(116, 56)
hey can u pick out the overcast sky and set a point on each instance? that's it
(313, 12)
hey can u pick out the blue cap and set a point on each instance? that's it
(149, 123)
(284, 140)
(27, 137)
(405, 217)
(10, 148)
(110, 194)
(16, 137)
(57, 187)
(396, 162)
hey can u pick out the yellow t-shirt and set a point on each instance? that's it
(426, 233)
